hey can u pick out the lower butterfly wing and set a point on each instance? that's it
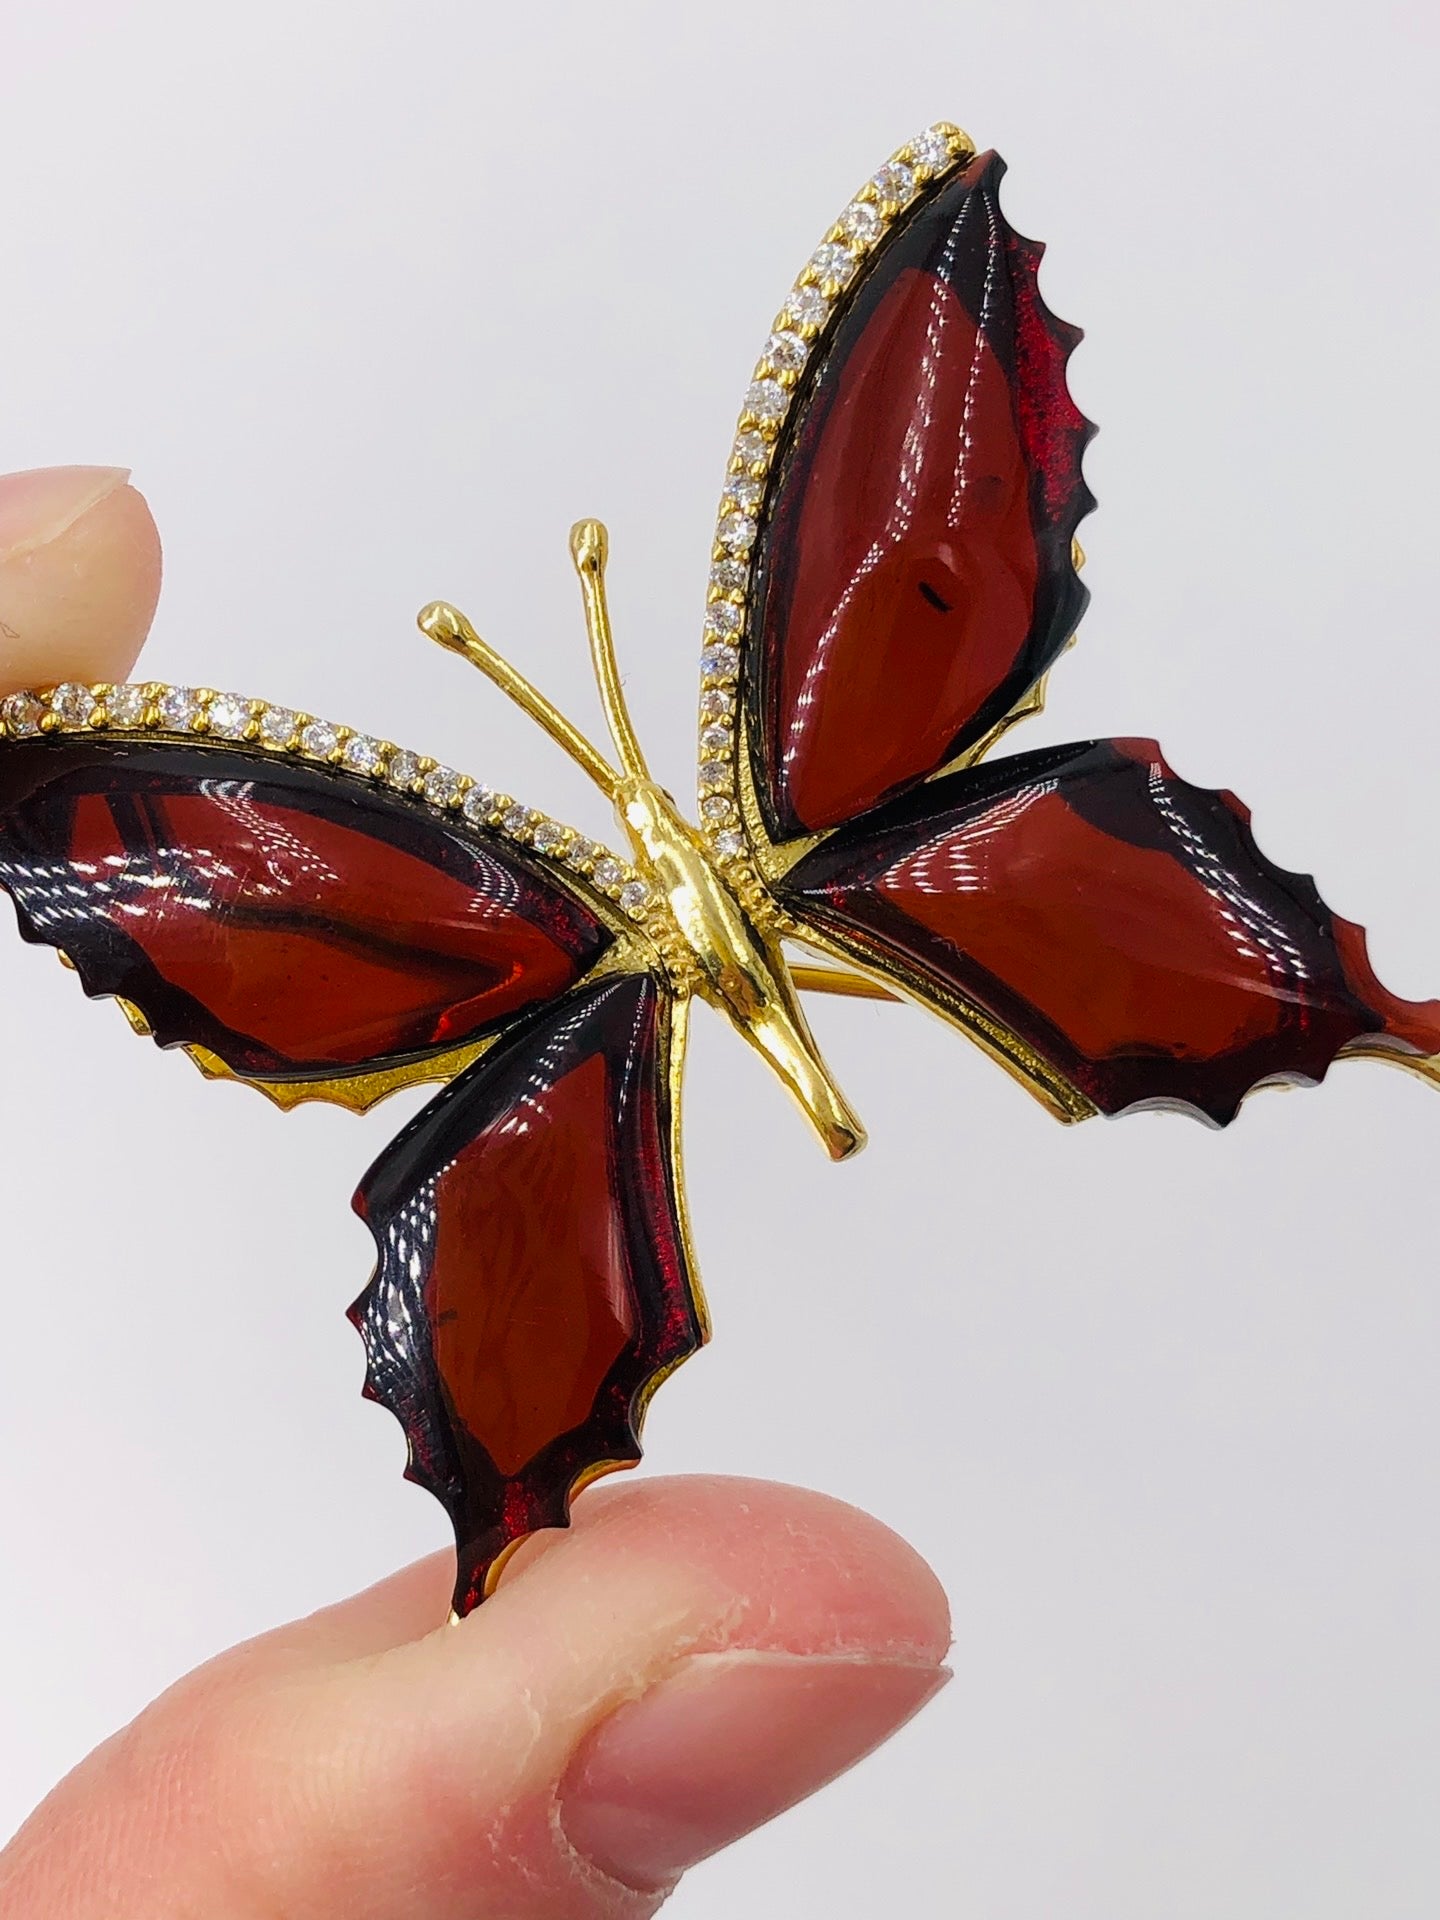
(289, 922)
(1110, 931)
(533, 1284)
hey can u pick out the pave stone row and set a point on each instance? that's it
(152, 706)
(808, 309)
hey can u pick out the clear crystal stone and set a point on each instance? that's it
(478, 805)
(72, 704)
(833, 262)
(751, 447)
(787, 350)
(581, 853)
(635, 896)
(362, 754)
(729, 843)
(721, 662)
(862, 220)
(766, 399)
(808, 305)
(178, 708)
(717, 807)
(229, 715)
(404, 768)
(894, 183)
(547, 836)
(715, 739)
(515, 819)
(608, 872)
(737, 532)
(277, 726)
(125, 706)
(714, 773)
(21, 713)
(930, 150)
(723, 616)
(715, 701)
(743, 492)
(442, 785)
(319, 739)
(729, 575)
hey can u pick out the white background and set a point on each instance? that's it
(376, 299)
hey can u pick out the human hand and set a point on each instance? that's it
(693, 1657)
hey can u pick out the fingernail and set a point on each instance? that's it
(722, 1745)
(36, 507)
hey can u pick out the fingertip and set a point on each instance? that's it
(80, 572)
(802, 1572)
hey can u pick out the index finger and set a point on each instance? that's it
(79, 575)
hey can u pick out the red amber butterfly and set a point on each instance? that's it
(326, 916)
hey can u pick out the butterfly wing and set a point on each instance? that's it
(895, 556)
(326, 916)
(1111, 931)
(293, 921)
(533, 1285)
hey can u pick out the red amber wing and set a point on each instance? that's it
(292, 921)
(914, 573)
(532, 1285)
(1118, 922)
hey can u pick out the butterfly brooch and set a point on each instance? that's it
(326, 916)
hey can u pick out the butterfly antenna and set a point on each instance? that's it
(449, 628)
(589, 549)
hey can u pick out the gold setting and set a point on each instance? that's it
(906, 179)
(356, 1092)
(214, 719)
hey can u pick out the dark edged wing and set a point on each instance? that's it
(533, 1284)
(289, 922)
(1112, 931)
(914, 572)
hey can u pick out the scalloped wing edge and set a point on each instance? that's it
(1353, 948)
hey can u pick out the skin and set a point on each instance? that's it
(692, 1657)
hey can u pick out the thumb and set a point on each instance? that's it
(693, 1657)
(79, 575)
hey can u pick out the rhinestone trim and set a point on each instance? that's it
(805, 317)
(202, 717)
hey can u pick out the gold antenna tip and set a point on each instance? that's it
(446, 625)
(589, 546)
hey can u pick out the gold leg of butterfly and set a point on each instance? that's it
(837, 980)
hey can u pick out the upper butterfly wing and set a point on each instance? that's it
(290, 921)
(913, 574)
(533, 1284)
(1111, 931)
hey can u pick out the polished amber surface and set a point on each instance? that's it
(1120, 920)
(290, 921)
(532, 1280)
(915, 573)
